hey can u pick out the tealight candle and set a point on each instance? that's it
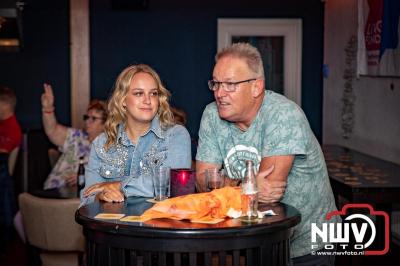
(182, 182)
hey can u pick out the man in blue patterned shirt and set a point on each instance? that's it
(247, 122)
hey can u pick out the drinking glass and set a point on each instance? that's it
(161, 181)
(213, 179)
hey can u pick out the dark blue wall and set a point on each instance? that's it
(44, 58)
(177, 38)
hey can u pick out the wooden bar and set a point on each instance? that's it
(80, 60)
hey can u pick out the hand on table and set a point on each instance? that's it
(107, 191)
(269, 190)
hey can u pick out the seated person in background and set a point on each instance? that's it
(10, 138)
(247, 122)
(73, 143)
(140, 133)
(10, 131)
(179, 116)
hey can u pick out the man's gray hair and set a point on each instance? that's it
(247, 52)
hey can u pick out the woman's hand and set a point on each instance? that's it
(107, 191)
(47, 98)
(71, 180)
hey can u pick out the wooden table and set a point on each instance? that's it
(170, 242)
(359, 178)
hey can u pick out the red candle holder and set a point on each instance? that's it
(183, 182)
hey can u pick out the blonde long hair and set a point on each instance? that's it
(116, 112)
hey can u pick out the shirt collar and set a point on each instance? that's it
(155, 127)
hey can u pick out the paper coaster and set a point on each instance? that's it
(215, 221)
(135, 219)
(109, 216)
(152, 200)
(352, 183)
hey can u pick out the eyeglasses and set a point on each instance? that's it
(91, 118)
(228, 86)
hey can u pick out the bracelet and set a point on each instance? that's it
(48, 111)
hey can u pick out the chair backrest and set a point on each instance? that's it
(50, 223)
(37, 164)
(12, 159)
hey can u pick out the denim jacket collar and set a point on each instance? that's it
(155, 127)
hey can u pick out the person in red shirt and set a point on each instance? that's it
(10, 138)
(10, 131)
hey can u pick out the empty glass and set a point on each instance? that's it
(161, 180)
(213, 179)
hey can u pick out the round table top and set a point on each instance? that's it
(287, 217)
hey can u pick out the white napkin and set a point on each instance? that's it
(232, 213)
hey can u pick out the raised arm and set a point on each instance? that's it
(271, 185)
(55, 131)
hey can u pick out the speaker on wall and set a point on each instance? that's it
(11, 25)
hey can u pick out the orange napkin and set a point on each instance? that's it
(206, 207)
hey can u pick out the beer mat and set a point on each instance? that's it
(352, 183)
(350, 178)
(109, 216)
(132, 218)
(152, 200)
(371, 178)
(215, 221)
(380, 181)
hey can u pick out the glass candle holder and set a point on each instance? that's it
(183, 182)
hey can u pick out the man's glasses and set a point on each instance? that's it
(91, 118)
(227, 86)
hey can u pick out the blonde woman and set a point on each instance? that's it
(140, 134)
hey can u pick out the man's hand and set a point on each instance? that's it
(107, 191)
(269, 191)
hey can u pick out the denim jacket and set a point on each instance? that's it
(132, 163)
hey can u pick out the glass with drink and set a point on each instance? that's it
(213, 179)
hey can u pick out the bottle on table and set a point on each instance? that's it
(81, 176)
(249, 194)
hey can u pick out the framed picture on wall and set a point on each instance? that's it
(280, 44)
